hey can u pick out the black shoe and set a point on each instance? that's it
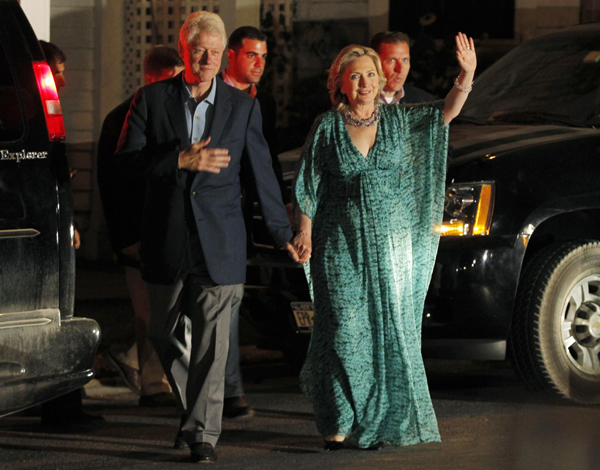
(333, 445)
(158, 399)
(180, 442)
(237, 408)
(130, 376)
(203, 452)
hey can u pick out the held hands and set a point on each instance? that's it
(302, 244)
(199, 158)
(292, 252)
(300, 247)
(465, 53)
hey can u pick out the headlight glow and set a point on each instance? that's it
(468, 209)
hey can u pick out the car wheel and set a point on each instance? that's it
(555, 335)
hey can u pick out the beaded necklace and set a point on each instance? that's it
(356, 122)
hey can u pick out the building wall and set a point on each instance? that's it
(38, 14)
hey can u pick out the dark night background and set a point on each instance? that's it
(431, 24)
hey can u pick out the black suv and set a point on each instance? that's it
(520, 263)
(44, 351)
(518, 267)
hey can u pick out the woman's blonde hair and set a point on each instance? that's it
(202, 22)
(336, 72)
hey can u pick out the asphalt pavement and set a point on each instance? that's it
(488, 421)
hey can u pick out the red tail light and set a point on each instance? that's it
(52, 109)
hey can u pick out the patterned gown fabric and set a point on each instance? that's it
(375, 232)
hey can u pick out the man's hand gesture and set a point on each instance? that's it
(198, 158)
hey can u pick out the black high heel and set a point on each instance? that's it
(332, 445)
(377, 446)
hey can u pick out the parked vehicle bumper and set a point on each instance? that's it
(58, 359)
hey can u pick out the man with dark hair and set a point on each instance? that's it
(246, 54)
(394, 51)
(161, 62)
(189, 135)
(56, 60)
(123, 201)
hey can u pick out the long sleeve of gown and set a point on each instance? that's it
(308, 174)
(423, 185)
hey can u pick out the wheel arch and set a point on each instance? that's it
(554, 224)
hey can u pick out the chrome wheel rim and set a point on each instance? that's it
(581, 326)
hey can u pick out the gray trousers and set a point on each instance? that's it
(233, 375)
(190, 328)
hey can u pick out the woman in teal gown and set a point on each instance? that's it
(369, 191)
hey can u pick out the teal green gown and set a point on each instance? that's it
(375, 232)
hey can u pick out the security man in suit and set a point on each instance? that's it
(247, 55)
(188, 135)
(394, 51)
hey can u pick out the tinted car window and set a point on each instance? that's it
(11, 115)
(551, 79)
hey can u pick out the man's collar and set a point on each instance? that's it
(251, 90)
(397, 97)
(210, 99)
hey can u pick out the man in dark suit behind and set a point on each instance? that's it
(247, 54)
(123, 201)
(188, 135)
(394, 51)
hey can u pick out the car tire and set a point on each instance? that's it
(555, 335)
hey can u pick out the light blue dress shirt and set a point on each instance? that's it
(199, 115)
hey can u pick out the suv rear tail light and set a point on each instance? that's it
(50, 101)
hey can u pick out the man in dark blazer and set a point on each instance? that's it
(247, 54)
(394, 51)
(123, 201)
(187, 135)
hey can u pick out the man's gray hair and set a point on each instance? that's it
(202, 22)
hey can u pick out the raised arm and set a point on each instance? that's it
(467, 59)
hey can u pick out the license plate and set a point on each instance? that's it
(303, 314)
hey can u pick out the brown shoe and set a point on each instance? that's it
(237, 408)
(158, 399)
(130, 376)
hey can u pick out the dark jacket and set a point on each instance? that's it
(154, 133)
(415, 95)
(268, 111)
(122, 200)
